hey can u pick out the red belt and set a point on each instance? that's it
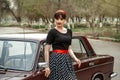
(61, 51)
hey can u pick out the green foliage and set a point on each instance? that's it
(80, 25)
(81, 30)
(117, 37)
(35, 26)
(107, 24)
(42, 26)
(34, 9)
(38, 26)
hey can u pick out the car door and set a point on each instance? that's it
(93, 67)
(80, 51)
(83, 50)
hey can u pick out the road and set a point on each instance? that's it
(100, 46)
(111, 48)
(5, 30)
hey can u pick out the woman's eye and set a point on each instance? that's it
(61, 19)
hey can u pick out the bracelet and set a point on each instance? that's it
(43, 64)
(46, 65)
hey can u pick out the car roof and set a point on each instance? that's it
(32, 36)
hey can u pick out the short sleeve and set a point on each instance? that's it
(50, 37)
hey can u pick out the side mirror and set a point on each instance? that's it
(42, 65)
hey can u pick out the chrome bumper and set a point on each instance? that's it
(113, 75)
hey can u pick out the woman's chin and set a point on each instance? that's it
(59, 25)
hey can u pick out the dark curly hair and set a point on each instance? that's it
(60, 14)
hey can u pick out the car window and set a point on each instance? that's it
(42, 51)
(41, 56)
(19, 55)
(17, 48)
(78, 48)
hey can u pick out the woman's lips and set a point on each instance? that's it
(59, 23)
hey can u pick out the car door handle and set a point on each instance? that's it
(91, 64)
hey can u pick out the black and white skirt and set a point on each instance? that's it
(61, 67)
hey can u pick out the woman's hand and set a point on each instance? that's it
(74, 57)
(47, 71)
(78, 62)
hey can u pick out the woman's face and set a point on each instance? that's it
(60, 22)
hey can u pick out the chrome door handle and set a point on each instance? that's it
(91, 64)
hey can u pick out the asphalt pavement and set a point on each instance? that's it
(12, 30)
(110, 48)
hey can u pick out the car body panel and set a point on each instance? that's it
(93, 65)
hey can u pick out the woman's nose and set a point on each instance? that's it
(59, 20)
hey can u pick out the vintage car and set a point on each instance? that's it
(22, 58)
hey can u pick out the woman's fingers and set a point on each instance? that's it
(47, 72)
(78, 62)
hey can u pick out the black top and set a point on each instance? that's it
(59, 40)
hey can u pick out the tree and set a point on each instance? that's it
(4, 5)
(90, 9)
(115, 11)
(5, 9)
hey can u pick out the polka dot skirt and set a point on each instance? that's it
(61, 67)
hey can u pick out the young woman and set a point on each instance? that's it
(59, 62)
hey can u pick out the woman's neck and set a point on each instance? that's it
(59, 27)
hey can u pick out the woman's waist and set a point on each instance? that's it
(62, 47)
(60, 51)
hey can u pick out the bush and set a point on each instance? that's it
(80, 25)
(38, 26)
(107, 24)
(35, 26)
(117, 36)
(42, 26)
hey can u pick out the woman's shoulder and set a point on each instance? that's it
(52, 31)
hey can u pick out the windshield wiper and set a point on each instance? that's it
(3, 67)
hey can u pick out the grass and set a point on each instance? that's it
(105, 31)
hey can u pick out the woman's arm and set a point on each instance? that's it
(73, 56)
(46, 54)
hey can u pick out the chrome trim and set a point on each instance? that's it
(89, 67)
(42, 64)
(98, 73)
(113, 75)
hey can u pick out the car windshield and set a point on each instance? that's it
(19, 55)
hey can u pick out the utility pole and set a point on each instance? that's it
(0, 12)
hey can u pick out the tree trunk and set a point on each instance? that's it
(90, 23)
(0, 15)
(117, 26)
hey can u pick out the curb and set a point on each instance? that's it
(104, 38)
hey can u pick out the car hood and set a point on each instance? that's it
(13, 75)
